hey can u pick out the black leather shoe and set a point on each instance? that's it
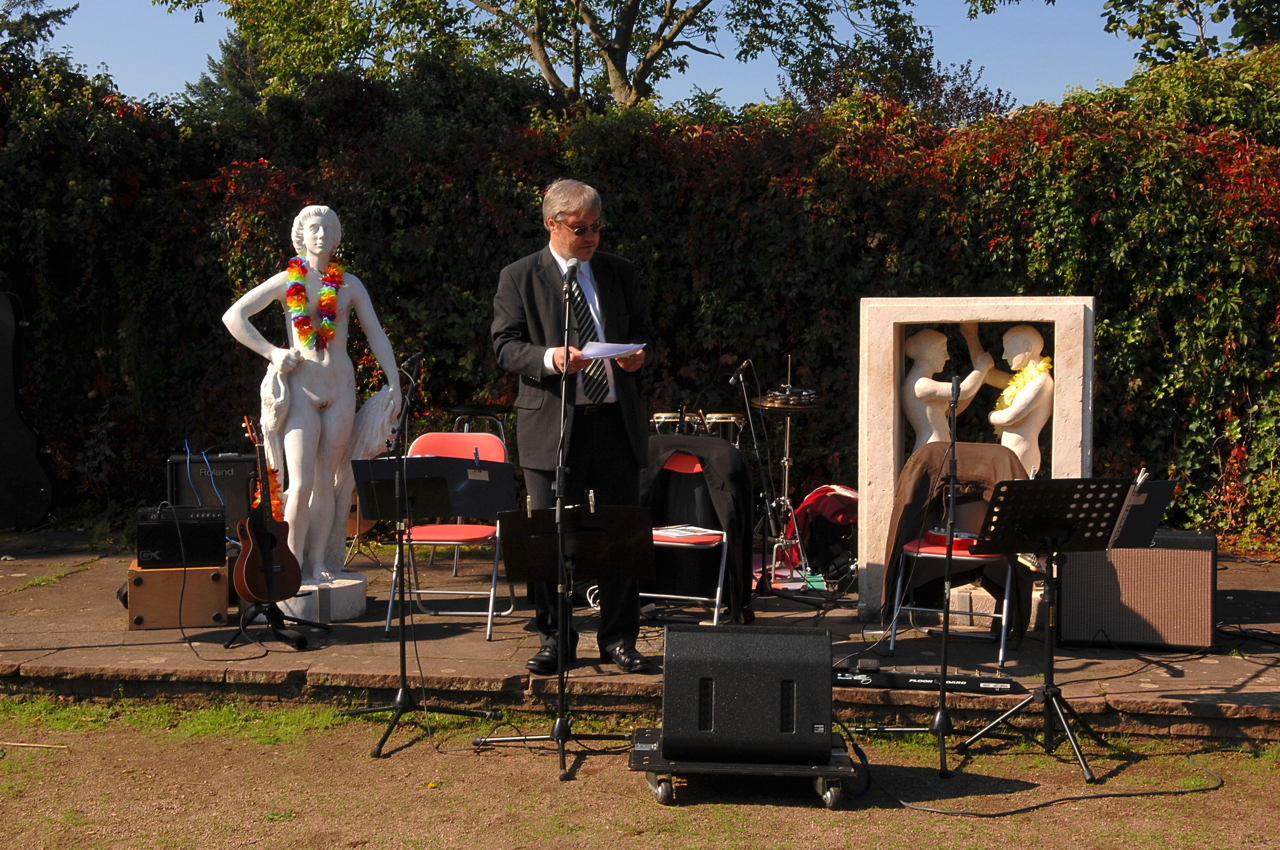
(544, 663)
(627, 659)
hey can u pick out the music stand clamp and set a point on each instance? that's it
(1050, 517)
(580, 541)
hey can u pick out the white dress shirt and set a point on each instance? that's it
(588, 284)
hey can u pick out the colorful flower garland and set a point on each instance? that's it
(1021, 378)
(296, 301)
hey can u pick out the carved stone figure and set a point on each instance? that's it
(1026, 402)
(926, 401)
(309, 413)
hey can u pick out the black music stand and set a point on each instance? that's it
(588, 541)
(390, 490)
(1050, 517)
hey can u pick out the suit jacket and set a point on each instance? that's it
(528, 318)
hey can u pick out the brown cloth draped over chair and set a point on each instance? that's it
(919, 502)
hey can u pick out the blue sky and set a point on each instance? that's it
(1033, 51)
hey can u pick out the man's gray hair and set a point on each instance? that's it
(308, 213)
(567, 195)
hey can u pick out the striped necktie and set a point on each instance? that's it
(595, 383)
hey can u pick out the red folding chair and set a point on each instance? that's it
(481, 446)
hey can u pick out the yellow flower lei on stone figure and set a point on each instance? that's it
(1024, 376)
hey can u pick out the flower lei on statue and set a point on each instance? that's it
(296, 301)
(1021, 378)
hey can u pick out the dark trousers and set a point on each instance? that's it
(600, 459)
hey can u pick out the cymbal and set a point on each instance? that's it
(793, 401)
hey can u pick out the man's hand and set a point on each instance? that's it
(576, 361)
(631, 362)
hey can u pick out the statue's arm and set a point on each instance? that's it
(1034, 394)
(379, 345)
(978, 356)
(250, 304)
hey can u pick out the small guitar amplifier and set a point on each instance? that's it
(181, 536)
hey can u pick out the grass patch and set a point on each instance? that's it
(60, 571)
(271, 726)
(281, 817)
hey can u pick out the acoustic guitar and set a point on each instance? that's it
(266, 571)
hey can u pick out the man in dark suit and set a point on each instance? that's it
(607, 427)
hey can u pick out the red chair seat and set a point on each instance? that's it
(692, 540)
(959, 552)
(450, 534)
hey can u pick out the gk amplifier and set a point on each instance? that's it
(181, 536)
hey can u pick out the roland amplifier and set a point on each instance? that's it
(181, 536)
(747, 694)
(1159, 597)
(221, 479)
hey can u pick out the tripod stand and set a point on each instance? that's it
(1049, 518)
(430, 497)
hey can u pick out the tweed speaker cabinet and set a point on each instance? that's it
(746, 694)
(1160, 597)
(169, 598)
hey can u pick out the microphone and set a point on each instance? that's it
(737, 373)
(955, 392)
(571, 271)
(412, 361)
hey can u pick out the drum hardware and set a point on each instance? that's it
(789, 400)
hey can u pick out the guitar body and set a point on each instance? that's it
(256, 549)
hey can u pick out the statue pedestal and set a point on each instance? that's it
(329, 602)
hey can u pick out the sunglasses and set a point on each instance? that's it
(583, 229)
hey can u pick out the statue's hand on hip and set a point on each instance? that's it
(285, 359)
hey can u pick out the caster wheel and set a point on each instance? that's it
(831, 796)
(664, 793)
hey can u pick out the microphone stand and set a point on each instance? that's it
(766, 485)
(941, 725)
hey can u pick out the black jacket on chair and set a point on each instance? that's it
(728, 479)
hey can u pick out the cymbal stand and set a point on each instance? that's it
(783, 502)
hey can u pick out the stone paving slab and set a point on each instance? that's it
(70, 637)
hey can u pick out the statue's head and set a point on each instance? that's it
(323, 215)
(927, 345)
(1022, 344)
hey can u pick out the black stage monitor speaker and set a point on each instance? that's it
(747, 694)
(179, 536)
(223, 480)
(1159, 597)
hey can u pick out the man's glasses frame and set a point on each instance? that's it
(582, 229)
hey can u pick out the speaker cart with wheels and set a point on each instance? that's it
(741, 700)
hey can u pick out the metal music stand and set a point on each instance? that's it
(588, 542)
(1050, 517)
(392, 489)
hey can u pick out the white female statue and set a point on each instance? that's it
(926, 401)
(1026, 402)
(309, 394)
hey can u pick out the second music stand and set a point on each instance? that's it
(587, 541)
(1050, 517)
